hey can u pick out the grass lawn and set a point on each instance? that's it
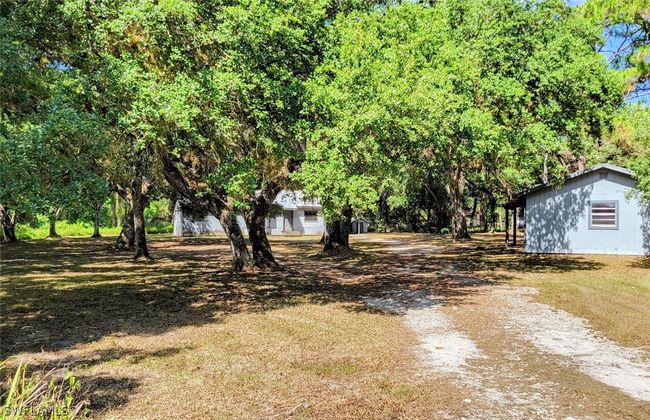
(183, 336)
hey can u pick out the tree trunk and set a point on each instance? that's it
(256, 220)
(485, 212)
(139, 204)
(337, 234)
(125, 209)
(473, 214)
(184, 187)
(53, 216)
(126, 240)
(96, 220)
(493, 214)
(115, 204)
(386, 214)
(262, 253)
(141, 249)
(582, 163)
(240, 256)
(455, 190)
(8, 225)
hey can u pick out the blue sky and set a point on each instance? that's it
(612, 44)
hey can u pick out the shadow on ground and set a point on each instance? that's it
(59, 294)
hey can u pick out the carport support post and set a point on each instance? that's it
(514, 226)
(507, 227)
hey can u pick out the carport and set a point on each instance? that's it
(518, 202)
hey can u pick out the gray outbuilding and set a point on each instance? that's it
(359, 225)
(596, 211)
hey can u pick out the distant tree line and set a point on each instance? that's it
(422, 114)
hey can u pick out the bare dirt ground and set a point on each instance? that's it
(405, 326)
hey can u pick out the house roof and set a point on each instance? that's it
(520, 197)
(293, 200)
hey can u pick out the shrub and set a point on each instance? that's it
(158, 211)
(41, 395)
(63, 228)
(158, 216)
(159, 227)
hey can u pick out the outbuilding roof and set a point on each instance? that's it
(520, 198)
(359, 219)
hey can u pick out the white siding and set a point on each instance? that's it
(293, 202)
(557, 221)
(277, 227)
(308, 227)
(208, 226)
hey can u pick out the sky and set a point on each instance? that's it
(611, 45)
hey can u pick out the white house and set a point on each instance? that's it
(596, 211)
(298, 215)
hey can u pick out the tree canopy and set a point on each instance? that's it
(372, 106)
(471, 89)
(626, 43)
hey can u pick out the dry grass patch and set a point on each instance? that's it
(319, 360)
(182, 336)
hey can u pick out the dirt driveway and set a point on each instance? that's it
(515, 357)
(408, 326)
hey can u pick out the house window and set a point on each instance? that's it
(603, 215)
(311, 216)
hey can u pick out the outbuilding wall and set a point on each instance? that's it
(557, 221)
(358, 226)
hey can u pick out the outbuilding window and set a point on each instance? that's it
(603, 215)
